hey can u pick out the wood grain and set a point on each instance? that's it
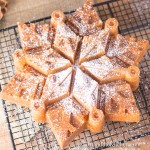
(5, 142)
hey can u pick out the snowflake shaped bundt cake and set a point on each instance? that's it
(74, 73)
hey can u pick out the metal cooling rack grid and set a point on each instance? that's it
(26, 134)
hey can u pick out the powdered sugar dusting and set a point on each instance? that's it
(94, 45)
(102, 65)
(66, 41)
(119, 98)
(85, 20)
(128, 49)
(89, 88)
(33, 36)
(57, 90)
(71, 106)
(24, 87)
(57, 86)
(48, 61)
(117, 46)
(66, 117)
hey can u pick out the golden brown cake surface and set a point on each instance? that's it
(67, 119)
(66, 41)
(22, 88)
(34, 36)
(118, 103)
(57, 86)
(106, 70)
(94, 46)
(129, 50)
(85, 90)
(85, 20)
(44, 61)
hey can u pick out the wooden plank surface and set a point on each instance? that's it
(5, 142)
(26, 10)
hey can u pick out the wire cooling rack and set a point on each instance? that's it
(134, 20)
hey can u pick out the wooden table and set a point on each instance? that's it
(26, 10)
